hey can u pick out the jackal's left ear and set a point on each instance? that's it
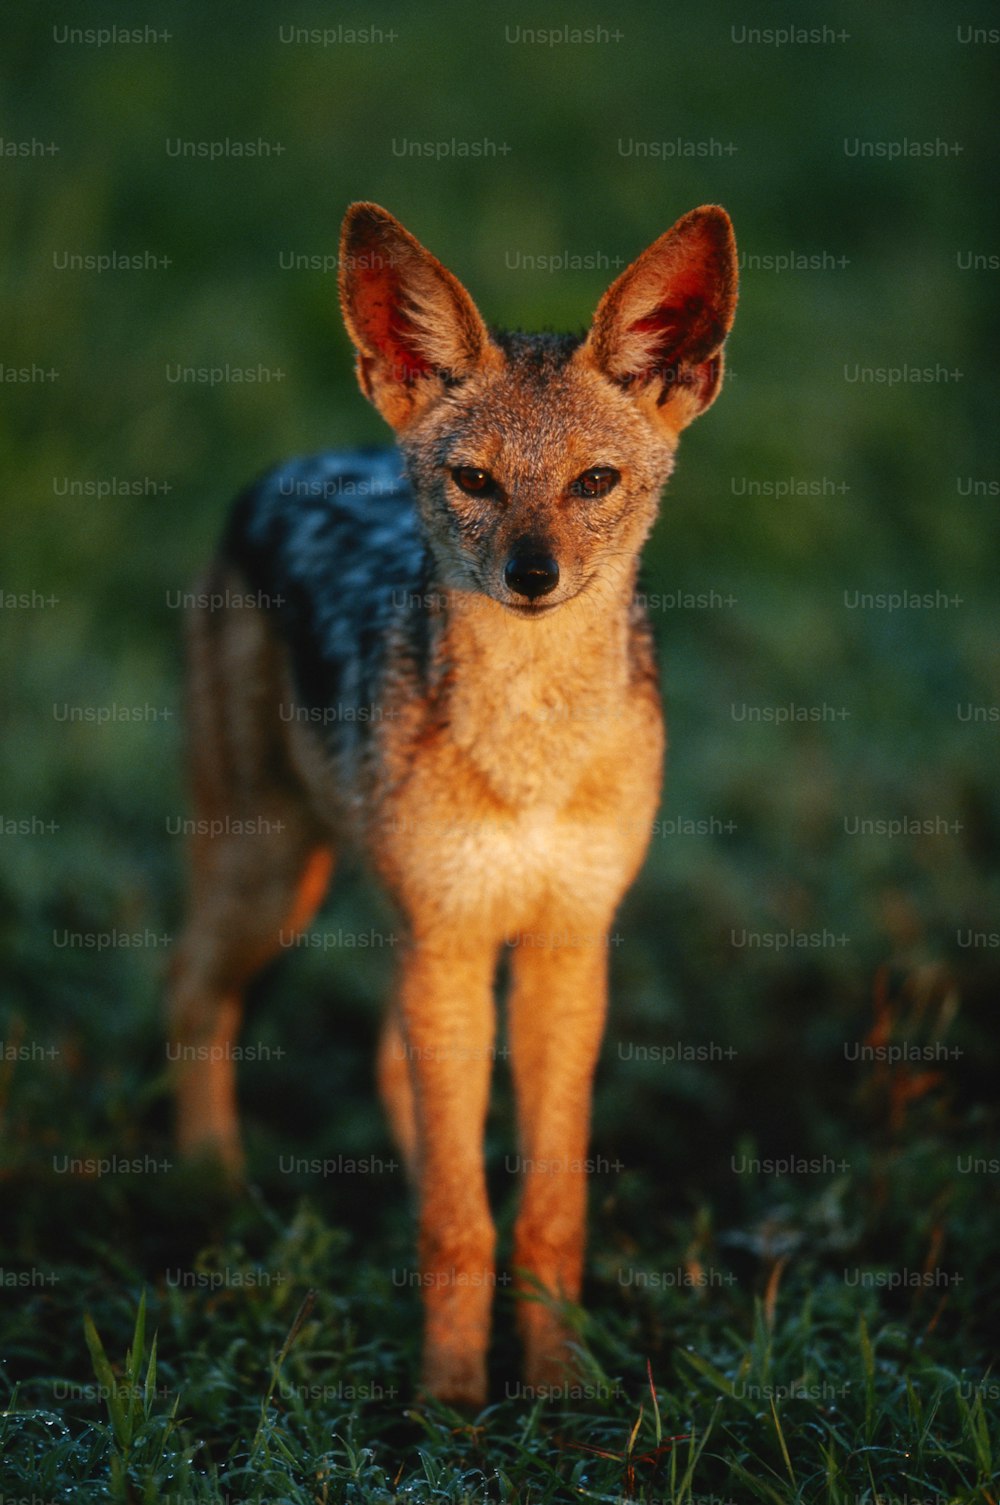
(659, 329)
(415, 328)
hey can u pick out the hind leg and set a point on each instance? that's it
(250, 896)
(260, 860)
(396, 1087)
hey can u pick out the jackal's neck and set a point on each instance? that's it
(527, 697)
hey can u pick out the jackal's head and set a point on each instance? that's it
(537, 460)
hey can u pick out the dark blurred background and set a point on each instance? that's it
(795, 712)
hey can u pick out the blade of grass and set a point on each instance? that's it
(656, 1404)
(868, 1366)
(106, 1380)
(781, 1440)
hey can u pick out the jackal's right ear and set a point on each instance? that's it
(415, 328)
(659, 329)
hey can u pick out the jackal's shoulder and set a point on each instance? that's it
(332, 547)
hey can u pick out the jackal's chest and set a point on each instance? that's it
(534, 807)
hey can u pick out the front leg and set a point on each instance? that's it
(447, 1022)
(556, 1017)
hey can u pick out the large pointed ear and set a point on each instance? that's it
(415, 328)
(659, 329)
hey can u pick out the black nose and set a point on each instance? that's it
(531, 575)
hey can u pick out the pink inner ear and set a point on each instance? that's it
(671, 324)
(687, 326)
(385, 325)
(686, 331)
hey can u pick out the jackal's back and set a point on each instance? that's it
(332, 550)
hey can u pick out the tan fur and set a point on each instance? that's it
(513, 792)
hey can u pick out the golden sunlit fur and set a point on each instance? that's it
(506, 798)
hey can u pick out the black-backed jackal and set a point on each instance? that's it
(444, 664)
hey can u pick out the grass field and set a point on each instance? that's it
(793, 1291)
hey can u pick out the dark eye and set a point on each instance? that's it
(597, 481)
(475, 482)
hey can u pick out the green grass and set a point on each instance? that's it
(283, 1374)
(777, 1374)
(807, 1337)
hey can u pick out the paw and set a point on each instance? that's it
(215, 1156)
(551, 1358)
(455, 1379)
(551, 1366)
